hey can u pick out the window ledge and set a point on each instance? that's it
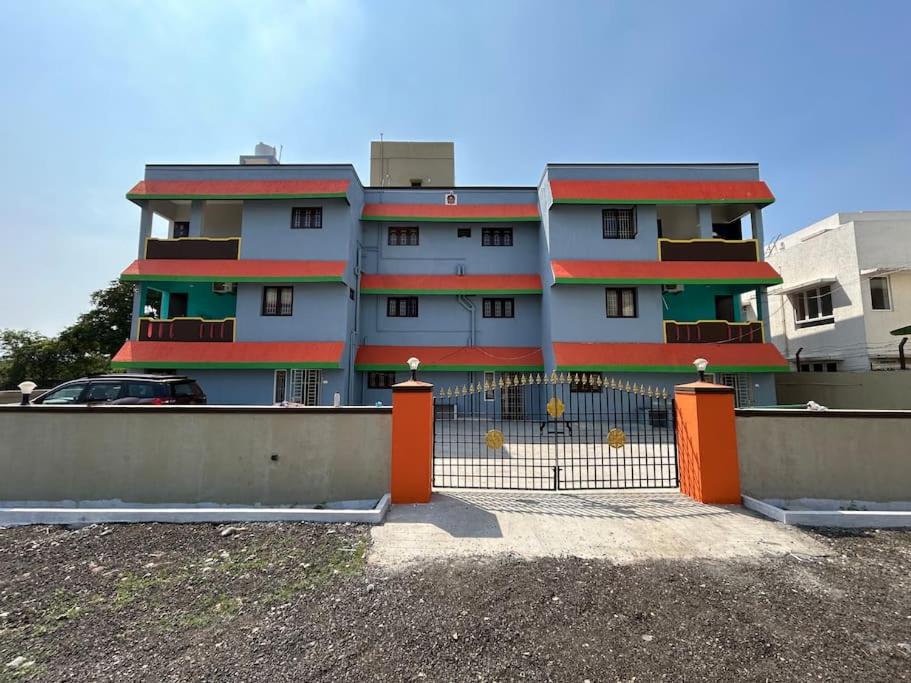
(815, 322)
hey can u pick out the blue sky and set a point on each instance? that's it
(816, 92)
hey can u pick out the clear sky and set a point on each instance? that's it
(819, 93)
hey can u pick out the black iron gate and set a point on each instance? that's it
(554, 432)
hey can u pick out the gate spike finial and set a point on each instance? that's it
(515, 380)
(537, 378)
(562, 378)
(486, 385)
(627, 385)
(500, 383)
(650, 392)
(663, 392)
(553, 377)
(613, 383)
(523, 378)
(635, 388)
(449, 392)
(464, 390)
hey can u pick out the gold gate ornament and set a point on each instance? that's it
(616, 438)
(555, 407)
(494, 439)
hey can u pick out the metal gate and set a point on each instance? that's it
(554, 432)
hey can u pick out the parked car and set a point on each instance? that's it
(123, 389)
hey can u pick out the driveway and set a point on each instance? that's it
(622, 527)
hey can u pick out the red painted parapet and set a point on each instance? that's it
(412, 442)
(707, 443)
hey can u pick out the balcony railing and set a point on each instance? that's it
(708, 250)
(186, 330)
(193, 248)
(713, 332)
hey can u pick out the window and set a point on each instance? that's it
(305, 386)
(621, 303)
(463, 232)
(589, 387)
(830, 366)
(402, 307)
(103, 392)
(490, 379)
(380, 380)
(403, 237)
(496, 237)
(879, 294)
(307, 217)
(144, 390)
(813, 306)
(619, 224)
(278, 300)
(743, 388)
(499, 308)
(281, 383)
(68, 394)
(416, 182)
(181, 229)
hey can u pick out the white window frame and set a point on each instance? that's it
(741, 383)
(805, 295)
(304, 386)
(275, 376)
(491, 394)
(889, 305)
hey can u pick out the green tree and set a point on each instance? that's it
(83, 348)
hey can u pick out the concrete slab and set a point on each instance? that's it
(845, 519)
(620, 526)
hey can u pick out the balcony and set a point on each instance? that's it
(196, 248)
(713, 332)
(186, 330)
(708, 250)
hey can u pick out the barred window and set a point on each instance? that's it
(403, 237)
(590, 386)
(307, 217)
(499, 308)
(496, 237)
(278, 300)
(402, 307)
(619, 224)
(380, 380)
(621, 302)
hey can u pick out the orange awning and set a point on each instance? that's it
(663, 272)
(233, 270)
(229, 355)
(653, 357)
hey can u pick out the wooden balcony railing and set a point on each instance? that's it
(713, 332)
(708, 250)
(193, 248)
(186, 330)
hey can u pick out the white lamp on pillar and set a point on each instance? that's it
(413, 363)
(26, 387)
(701, 364)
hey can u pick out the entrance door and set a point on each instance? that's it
(177, 305)
(511, 406)
(724, 307)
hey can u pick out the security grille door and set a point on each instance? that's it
(743, 388)
(305, 385)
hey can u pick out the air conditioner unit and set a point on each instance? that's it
(223, 287)
(672, 289)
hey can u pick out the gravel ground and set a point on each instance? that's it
(274, 602)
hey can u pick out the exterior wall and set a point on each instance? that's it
(576, 232)
(396, 164)
(821, 251)
(195, 455)
(850, 456)
(222, 219)
(579, 313)
(849, 390)
(697, 302)
(319, 313)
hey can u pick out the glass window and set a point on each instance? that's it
(380, 380)
(278, 300)
(102, 392)
(496, 237)
(619, 223)
(402, 307)
(813, 306)
(621, 302)
(498, 308)
(181, 229)
(307, 217)
(142, 390)
(68, 394)
(404, 237)
(879, 294)
(463, 232)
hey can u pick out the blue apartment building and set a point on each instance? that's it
(295, 282)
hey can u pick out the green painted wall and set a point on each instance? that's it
(202, 302)
(697, 302)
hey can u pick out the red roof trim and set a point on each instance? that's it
(450, 357)
(645, 191)
(448, 283)
(454, 213)
(250, 354)
(237, 188)
(667, 357)
(232, 270)
(668, 272)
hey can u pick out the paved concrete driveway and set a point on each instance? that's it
(619, 526)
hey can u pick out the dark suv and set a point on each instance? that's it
(123, 389)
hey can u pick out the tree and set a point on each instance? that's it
(83, 348)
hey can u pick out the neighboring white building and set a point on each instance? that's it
(847, 284)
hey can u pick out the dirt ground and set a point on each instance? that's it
(281, 602)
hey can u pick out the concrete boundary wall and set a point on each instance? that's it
(880, 390)
(862, 455)
(194, 454)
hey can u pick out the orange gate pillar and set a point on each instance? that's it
(707, 443)
(412, 442)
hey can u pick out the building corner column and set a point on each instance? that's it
(412, 442)
(707, 443)
(145, 228)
